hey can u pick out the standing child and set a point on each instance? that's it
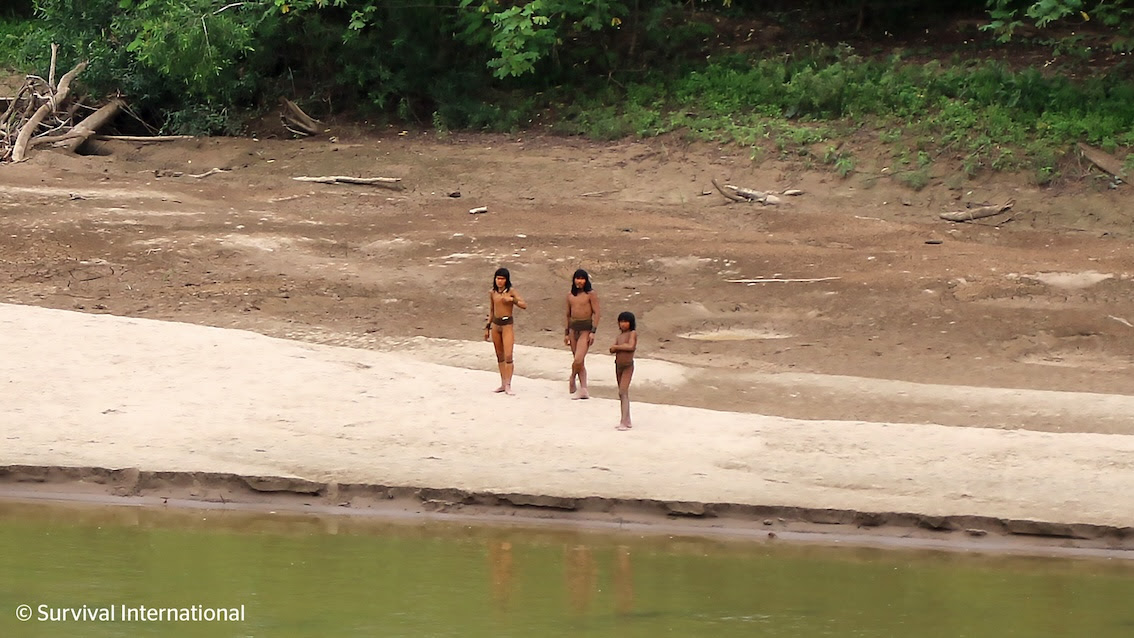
(579, 334)
(502, 299)
(623, 350)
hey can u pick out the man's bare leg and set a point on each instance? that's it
(583, 343)
(502, 367)
(574, 337)
(506, 375)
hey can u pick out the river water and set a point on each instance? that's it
(129, 571)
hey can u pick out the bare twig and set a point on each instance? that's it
(144, 138)
(229, 6)
(977, 213)
(139, 120)
(778, 280)
(1121, 321)
(211, 171)
(384, 182)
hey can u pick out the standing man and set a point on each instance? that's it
(498, 328)
(582, 320)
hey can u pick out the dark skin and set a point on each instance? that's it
(584, 305)
(623, 350)
(501, 304)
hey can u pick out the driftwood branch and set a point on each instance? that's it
(738, 194)
(977, 213)
(211, 171)
(92, 123)
(19, 150)
(51, 71)
(727, 194)
(144, 138)
(51, 139)
(1103, 160)
(384, 182)
(296, 121)
(777, 280)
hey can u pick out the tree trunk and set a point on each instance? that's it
(92, 124)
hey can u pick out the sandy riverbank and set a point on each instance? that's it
(338, 424)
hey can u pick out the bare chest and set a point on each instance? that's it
(580, 305)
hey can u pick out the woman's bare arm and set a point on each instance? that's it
(595, 308)
(488, 321)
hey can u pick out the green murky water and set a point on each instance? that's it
(338, 576)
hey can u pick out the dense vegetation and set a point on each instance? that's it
(778, 76)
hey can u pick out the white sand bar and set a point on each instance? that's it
(102, 391)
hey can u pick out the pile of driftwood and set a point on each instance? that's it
(42, 112)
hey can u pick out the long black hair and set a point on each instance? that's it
(580, 274)
(629, 318)
(502, 272)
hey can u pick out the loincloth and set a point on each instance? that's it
(582, 325)
(502, 321)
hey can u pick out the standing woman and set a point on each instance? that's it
(582, 321)
(498, 328)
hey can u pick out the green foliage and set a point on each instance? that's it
(915, 179)
(842, 161)
(190, 43)
(1117, 16)
(599, 68)
(181, 58)
(890, 136)
(13, 36)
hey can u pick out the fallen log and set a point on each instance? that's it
(1103, 160)
(977, 213)
(93, 123)
(293, 116)
(20, 148)
(51, 139)
(739, 194)
(727, 195)
(384, 182)
(748, 193)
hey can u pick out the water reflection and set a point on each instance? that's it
(307, 575)
(500, 557)
(579, 572)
